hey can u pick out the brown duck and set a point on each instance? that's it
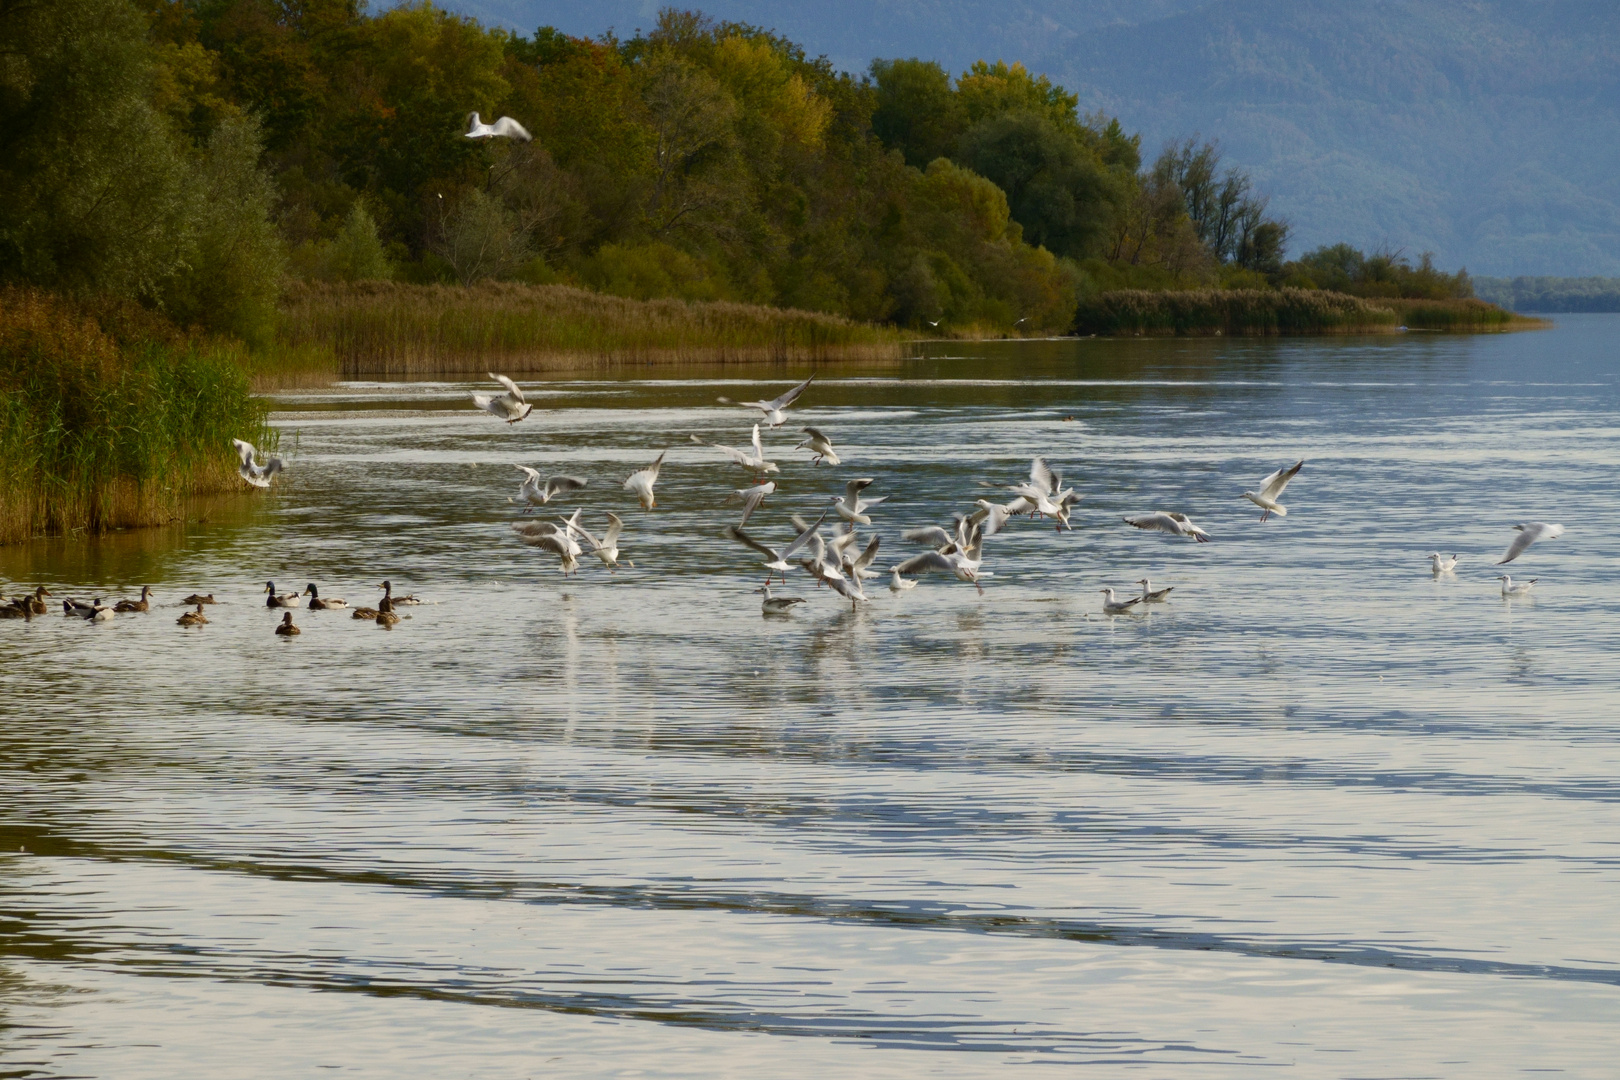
(287, 629)
(143, 604)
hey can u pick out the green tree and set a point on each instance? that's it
(917, 112)
(92, 179)
(357, 253)
(1058, 190)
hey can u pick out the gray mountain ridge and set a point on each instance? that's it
(1485, 131)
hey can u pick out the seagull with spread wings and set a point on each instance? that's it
(509, 406)
(778, 560)
(851, 507)
(504, 128)
(819, 445)
(755, 463)
(537, 491)
(1271, 489)
(773, 409)
(1529, 534)
(257, 475)
(1168, 522)
(642, 480)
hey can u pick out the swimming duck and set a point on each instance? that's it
(274, 599)
(94, 611)
(38, 601)
(143, 604)
(17, 609)
(317, 604)
(287, 629)
(196, 618)
(386, 618)
(198, 598)
(365, 613)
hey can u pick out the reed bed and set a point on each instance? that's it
(110, 418)
(1460, 316)
(1238, 312)
(388, 329)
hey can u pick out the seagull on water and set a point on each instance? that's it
(819, 445)
(755, 463)
(1529, 534)
(1271, 489)
(851, 507)
(509, 406)
(777, 605)
(641, 482)
(504, 128)
(1117, 607)
(773, 409)
(257, 475)
(1150, 595)
(537, 491)
(1441, 566)
(1172, 523)
(1521, 589)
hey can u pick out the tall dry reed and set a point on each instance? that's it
(1256, 312)
(391, 329)
(109, 418)
(1460, 316)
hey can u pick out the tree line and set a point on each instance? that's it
(195, 153)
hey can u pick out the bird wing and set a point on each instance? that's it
(759, 450)
(1526, 537)
(533, 475)
(735, 533)
(1041, 475)
(615, 527)
(533, 528)
(511, 129)
(1272, 486)
(814, 434)
(926, 563)
(554, 542)
(244, 450)
(935, 536)
(652, 470)
(751, 498)
(790, 397)
(807, 529)
(1161, 522)
(556, 485)
(869, 554)
(575, 526)
(852, 491)
(511, 387)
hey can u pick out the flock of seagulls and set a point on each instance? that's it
(837, 560)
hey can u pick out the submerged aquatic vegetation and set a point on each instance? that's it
(387, 329)
(110, 418)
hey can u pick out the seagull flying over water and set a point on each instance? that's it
(773, 409)
(642, 480)
(257, 475)
(774, 559)
(751, 498)
(754, 463)
(1529, 534)
(537, 492)
(819, 445)
(851, 507)
(962, 560)
(509, 406)
(504, 128)
(1172, 523)
(1271, 489)
(607, 548)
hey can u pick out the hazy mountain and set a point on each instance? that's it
(1487, 131)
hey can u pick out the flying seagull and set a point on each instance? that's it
(509, 406)
(642, 480)
(773, 409)
(504, 128)
(819, 445)
(537, 492)
(1529, 534)
(1271, 489)
(257, 475)
(1172, 523)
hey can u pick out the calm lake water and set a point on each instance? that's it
(1318, 815)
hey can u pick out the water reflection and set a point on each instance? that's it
(1319, 807)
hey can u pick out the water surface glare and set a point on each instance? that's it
(1320, 814)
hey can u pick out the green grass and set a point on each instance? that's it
(110, 418)
(384, 329)
(1258, 312)
(1459, 316)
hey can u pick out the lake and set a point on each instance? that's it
(1319, 814)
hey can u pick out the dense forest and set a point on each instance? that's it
(198, 153)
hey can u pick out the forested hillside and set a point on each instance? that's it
(1486, 131)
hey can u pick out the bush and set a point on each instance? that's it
(1242, 312)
